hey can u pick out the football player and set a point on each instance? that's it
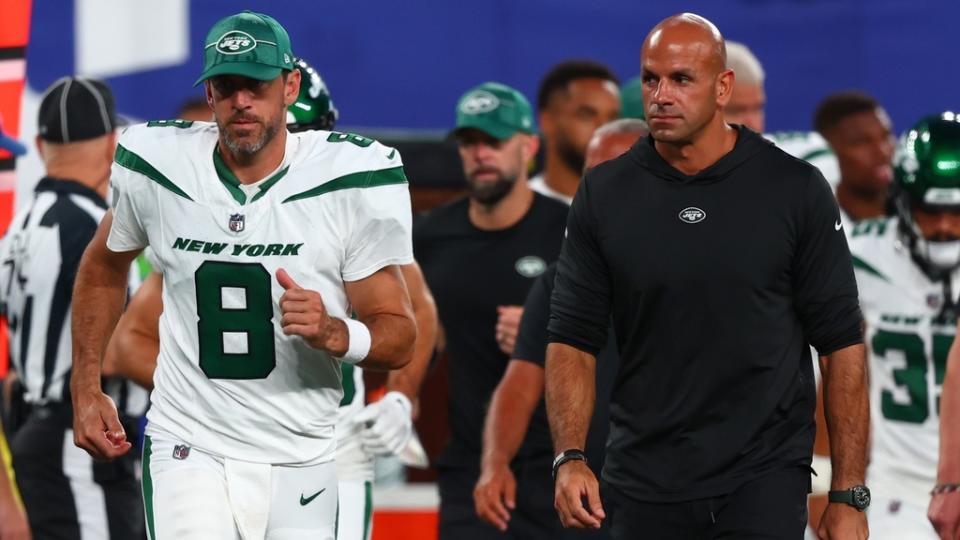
(279, 254)
(907, 271)
(363, 430)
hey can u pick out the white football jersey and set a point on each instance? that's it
(228, 381)
(811, 147)
(908, 335)
(353, 462)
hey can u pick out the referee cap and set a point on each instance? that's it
(248, 44)
(495, 109)
(75, 109)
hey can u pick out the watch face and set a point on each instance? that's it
(861, 497)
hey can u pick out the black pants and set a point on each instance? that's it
(67, 495)
(534, 518)
(773, 506)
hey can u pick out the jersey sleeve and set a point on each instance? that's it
(825, 288)
(380, 232)
(580, 303)
(127, 232)
(532, 337)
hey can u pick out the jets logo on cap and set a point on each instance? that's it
(236, 42)
(479, 102)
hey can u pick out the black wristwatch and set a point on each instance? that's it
(857, 497)
(574, 454)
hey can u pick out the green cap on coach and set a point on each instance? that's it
(249, 44)
(495, 109)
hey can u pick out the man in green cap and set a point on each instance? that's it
(280, 257)
(480, 255)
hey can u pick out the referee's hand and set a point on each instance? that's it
(96, 426)
(576, 482)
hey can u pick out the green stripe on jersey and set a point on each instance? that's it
(367, 509)
(232, 183)
(866, 267)
(816, 153)
(127, 159)
(147, 485)
(363, 179)
(349, 385)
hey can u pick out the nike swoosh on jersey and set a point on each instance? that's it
(306, 501)
(838, 225)
(392, 153)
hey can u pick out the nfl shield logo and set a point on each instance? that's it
(181, 451)
(236, 222)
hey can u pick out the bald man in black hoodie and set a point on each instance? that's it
(719, 258)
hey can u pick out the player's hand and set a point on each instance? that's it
(495, 495)
(304, 315)
(944, 514)
(575, 481)
(387, 425)
(843, 522)
(13, 522)
(508, 326)
(96, 425)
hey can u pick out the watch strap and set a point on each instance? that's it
(573, 454)
(842, 496)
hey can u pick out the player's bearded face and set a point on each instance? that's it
(491, 166)
(249, 113)
(245, 133)
(571, 153)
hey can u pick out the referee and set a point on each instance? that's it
(719, 258)
(67, 495)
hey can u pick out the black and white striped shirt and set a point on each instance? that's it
(39, 257)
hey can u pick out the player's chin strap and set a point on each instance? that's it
(948, 310)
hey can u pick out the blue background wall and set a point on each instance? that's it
(402, 64)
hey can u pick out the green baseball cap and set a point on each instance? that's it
(495, 109)
(631, 99)
(249, 44)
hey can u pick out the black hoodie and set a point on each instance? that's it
(716, 283)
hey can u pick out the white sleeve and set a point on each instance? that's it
(126, 232)
(380, 234)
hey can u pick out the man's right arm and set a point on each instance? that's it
(511, 407)
(98, 298)
(944, 510)
(579, 318)
(135, 343)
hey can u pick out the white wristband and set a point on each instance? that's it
(358, 347)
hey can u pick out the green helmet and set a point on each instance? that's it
(927, 162)
(313, 108)
(927, 176)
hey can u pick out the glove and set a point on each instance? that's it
(386, 425)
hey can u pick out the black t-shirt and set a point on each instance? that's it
(532, 347)
(470, 273)
(716, 283)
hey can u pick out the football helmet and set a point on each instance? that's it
(313, 108)
(927, 176)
